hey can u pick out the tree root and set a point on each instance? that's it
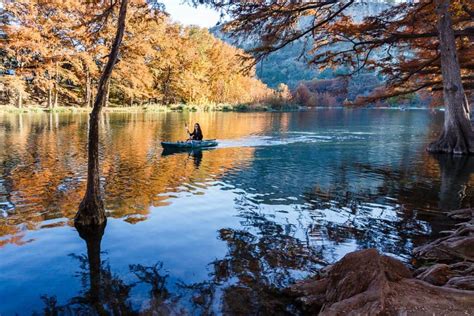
(454, 141)
(91, 212)
(456, 250)
(463, 214)
(367, 283)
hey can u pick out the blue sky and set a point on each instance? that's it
(187, 14)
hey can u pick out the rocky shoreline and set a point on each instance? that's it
(368, 283)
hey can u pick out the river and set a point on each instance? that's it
(213, 231)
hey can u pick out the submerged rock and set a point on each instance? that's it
(367, 283)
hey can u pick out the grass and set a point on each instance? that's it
(208, 107)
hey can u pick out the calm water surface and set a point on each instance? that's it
(216, 231)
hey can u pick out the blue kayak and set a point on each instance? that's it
(190, 144)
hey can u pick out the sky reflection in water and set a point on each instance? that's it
(217, 230)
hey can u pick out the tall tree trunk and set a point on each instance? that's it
(87, 99)
(92, 96)
(91, 210)
(457, 136)
(20, 99)
(50, 98)
(56, 86)
(166, 87)
(55, 103)
(107, 94)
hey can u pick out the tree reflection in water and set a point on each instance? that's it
(260, 261)
(162, 301)
(392, 230)
(455, 173)
(103, 291)
(337, 197)
(263, 256)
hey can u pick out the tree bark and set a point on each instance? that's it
(92, 96)
(87, 99)
(20, 99)
(107, 94)
(91, 210)
(56, 85)
(457, 136)
(50, 99)
(166, 87)
(55, 103)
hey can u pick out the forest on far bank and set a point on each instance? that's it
(52, 53)
(329, 85)
(49, 58)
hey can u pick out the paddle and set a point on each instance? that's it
(187, 130)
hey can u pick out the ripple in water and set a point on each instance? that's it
(283, 195)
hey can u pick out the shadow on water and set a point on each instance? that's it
(195, 154)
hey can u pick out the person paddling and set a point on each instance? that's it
(196, 134)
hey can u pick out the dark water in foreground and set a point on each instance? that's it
(213, 231)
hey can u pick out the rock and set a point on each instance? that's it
(437, 274)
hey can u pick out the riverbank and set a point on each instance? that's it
(159, 108)
(367, 283)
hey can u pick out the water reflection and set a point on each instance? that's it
(43, 167)
(455, 175)
(103, 292)
(248, 280)
(194, 154)
(213, 231)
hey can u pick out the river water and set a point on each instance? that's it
(214, 231)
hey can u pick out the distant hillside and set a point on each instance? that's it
(288, 65)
